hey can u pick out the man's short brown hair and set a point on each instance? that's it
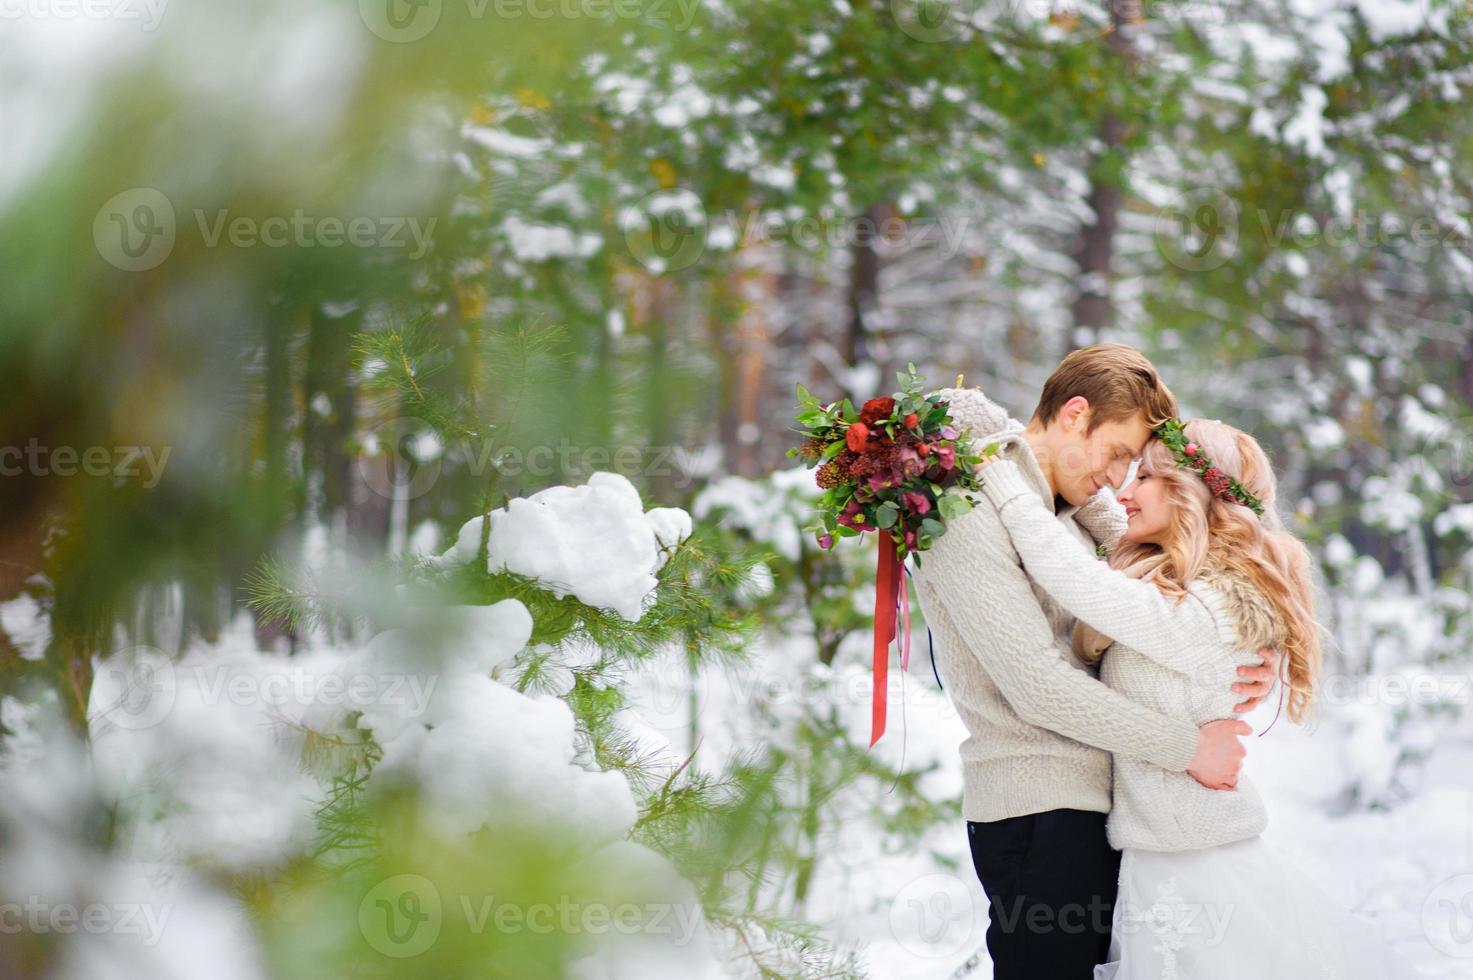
(1118, 381)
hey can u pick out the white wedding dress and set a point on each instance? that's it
(1236, 911)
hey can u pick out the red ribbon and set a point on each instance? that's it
(889, 589)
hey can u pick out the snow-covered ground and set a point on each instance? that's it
(921, 912)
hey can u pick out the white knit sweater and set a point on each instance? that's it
(1041, 727)
(1179, 657)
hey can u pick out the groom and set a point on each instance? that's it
(1036, 764)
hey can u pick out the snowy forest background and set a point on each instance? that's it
(398, 540)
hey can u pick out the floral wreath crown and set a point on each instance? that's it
(1189, 455)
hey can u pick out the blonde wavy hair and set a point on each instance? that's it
(1209, 531)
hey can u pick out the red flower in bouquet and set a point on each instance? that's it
(896, 465)
(899, 467)
(877, 410)
(852, 516)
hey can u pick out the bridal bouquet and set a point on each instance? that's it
(897, 467)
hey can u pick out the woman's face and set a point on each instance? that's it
(1146, 508)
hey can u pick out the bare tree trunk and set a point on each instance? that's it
(757, 288)
(723, 311)
(1094, 249)
(864, 289)
(330, 419)
(658, 403)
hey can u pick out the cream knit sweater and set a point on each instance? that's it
(1041, 727)
(1179, 657)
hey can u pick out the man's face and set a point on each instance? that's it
(1084, 461)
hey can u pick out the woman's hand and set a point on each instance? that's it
(986, 462)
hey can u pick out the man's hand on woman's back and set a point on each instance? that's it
(1255, 682)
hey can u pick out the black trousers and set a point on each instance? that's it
(1050, 880)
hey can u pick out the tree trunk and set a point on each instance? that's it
(864, 290)
(275, 424)
(1094, 250)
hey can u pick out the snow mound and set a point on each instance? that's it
(595, 542)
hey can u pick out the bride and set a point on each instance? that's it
(1203, 570)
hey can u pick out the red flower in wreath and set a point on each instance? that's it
(1216, 481)
(857, 437)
